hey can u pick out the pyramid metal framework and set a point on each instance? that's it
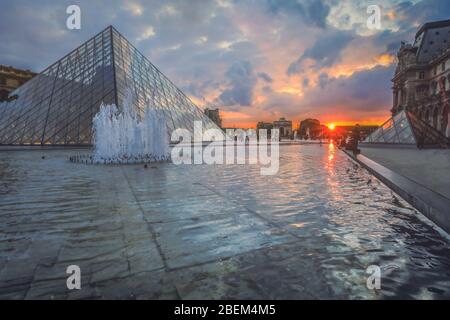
(405, 128)
(57, 106)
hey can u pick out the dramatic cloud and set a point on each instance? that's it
(242, 81)
(324, 53)
(365, 91)
(313, 11)
(254, 59)
(265, 77)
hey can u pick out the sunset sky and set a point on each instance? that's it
(256, 60)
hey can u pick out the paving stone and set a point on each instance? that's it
(146, 285)
(251, 275)
(186, 243)
(17, 272)
(13, 290)
(48, 290)
(85, 293)
(112, 269)
(44, 251)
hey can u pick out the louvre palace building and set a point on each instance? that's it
(421, 84)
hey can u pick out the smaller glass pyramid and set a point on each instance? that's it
(395, 130)
(406, 128)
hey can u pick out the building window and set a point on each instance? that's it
(443, 66)
(12, 83)
(421, 75)
(433, 87)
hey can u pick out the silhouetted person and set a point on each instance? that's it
(419, 141)
(356, 135)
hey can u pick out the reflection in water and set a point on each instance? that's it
(331, 151)
(348, 220)
(332, 182)
(338, 218)
(299, 225)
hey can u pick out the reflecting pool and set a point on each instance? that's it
(203, 231)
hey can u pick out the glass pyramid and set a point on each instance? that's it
(57, 106)
(405, 128)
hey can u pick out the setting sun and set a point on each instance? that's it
(331, 126)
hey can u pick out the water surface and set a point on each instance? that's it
(202, 231)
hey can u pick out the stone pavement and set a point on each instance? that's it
(209, 232)
(112, 226)
(427, 167)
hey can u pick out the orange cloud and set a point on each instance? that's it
(232, 115)
(391, 15)
(347, 70)
(285, 94)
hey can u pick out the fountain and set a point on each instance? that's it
(122, 137)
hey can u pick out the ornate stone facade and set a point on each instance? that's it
(421, 83)
(12, 78)
(285, 127)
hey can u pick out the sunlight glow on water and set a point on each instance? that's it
(339, 217)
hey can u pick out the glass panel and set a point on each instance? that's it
(389, 135)
(387, 124)
(396, 130)
(406, 136)
(378, 135)
(57, 105)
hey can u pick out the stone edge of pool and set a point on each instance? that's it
(432, 205)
